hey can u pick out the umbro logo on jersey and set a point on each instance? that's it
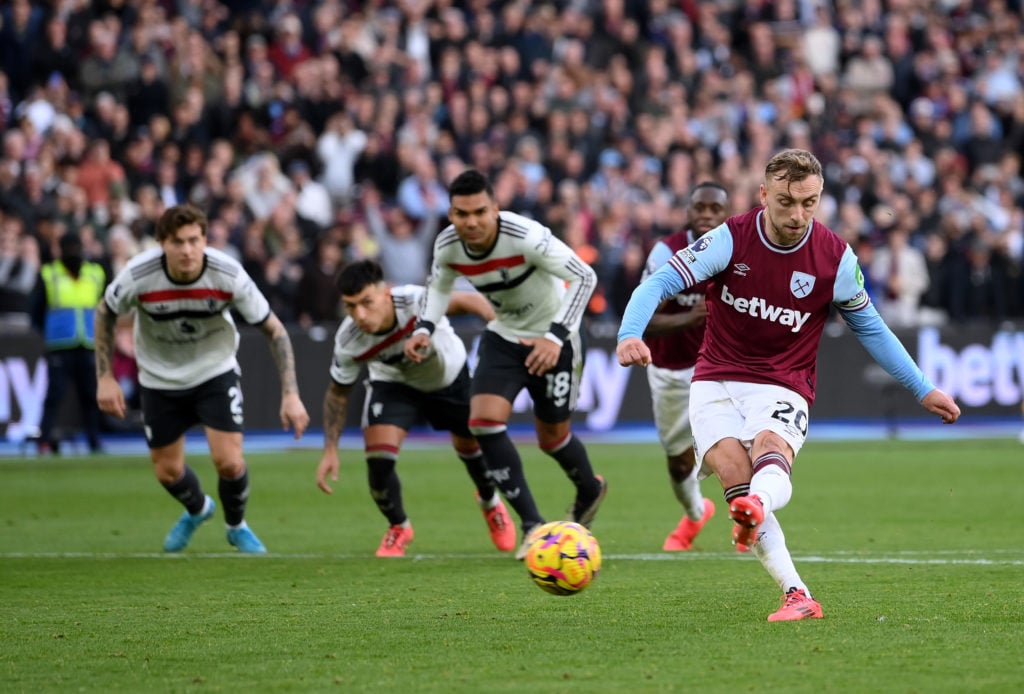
(759, 308)
(740, 269)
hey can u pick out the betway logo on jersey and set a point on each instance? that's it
(688, 300)
(759, 308)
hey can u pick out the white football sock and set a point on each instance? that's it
(774, 486)
(488, 504)
(773, 554)
(207, 503)
(688, 493)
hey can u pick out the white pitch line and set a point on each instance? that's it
(929, 552)
(907, 560)
(961, 558)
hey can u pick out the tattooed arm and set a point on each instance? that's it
(281, 348)
(335, 410)
(293, 412)
(109, 395)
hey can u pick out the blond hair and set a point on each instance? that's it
(793, 165)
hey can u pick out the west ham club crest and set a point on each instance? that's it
(801, 284)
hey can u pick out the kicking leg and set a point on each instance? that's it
(771, 470)
(771, 551)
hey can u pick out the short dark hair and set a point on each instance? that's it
(710, 184)
(178, 216)
(357, 276)
(70, 243)
(470, 182)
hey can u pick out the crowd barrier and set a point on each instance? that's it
(982, 368)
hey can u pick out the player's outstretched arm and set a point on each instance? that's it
(668, 323)
(335, 411)
(109, 396)
(890, 354)
(646, 298)
(633, 350)
(663, 322)
(938, 402)
(293, 412)
(463, 303)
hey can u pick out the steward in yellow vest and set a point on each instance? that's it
(73, 287)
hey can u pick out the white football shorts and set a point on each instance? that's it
(670, 400)
(731, 409)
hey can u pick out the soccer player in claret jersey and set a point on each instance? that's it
(674, 336)
(539, 289)
(186, 344)
(776, 272)
(400, 394)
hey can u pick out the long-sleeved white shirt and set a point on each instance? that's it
(535, 282)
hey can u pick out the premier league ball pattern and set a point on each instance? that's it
(563, 557)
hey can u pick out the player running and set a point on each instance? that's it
(674, 337)
(539, 289)
(400, 394)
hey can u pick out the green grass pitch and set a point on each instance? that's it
(913, 549)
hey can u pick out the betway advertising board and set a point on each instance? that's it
(982, 369)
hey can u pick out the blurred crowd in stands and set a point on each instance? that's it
(314, 133)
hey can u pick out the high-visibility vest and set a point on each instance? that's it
(70, 304)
